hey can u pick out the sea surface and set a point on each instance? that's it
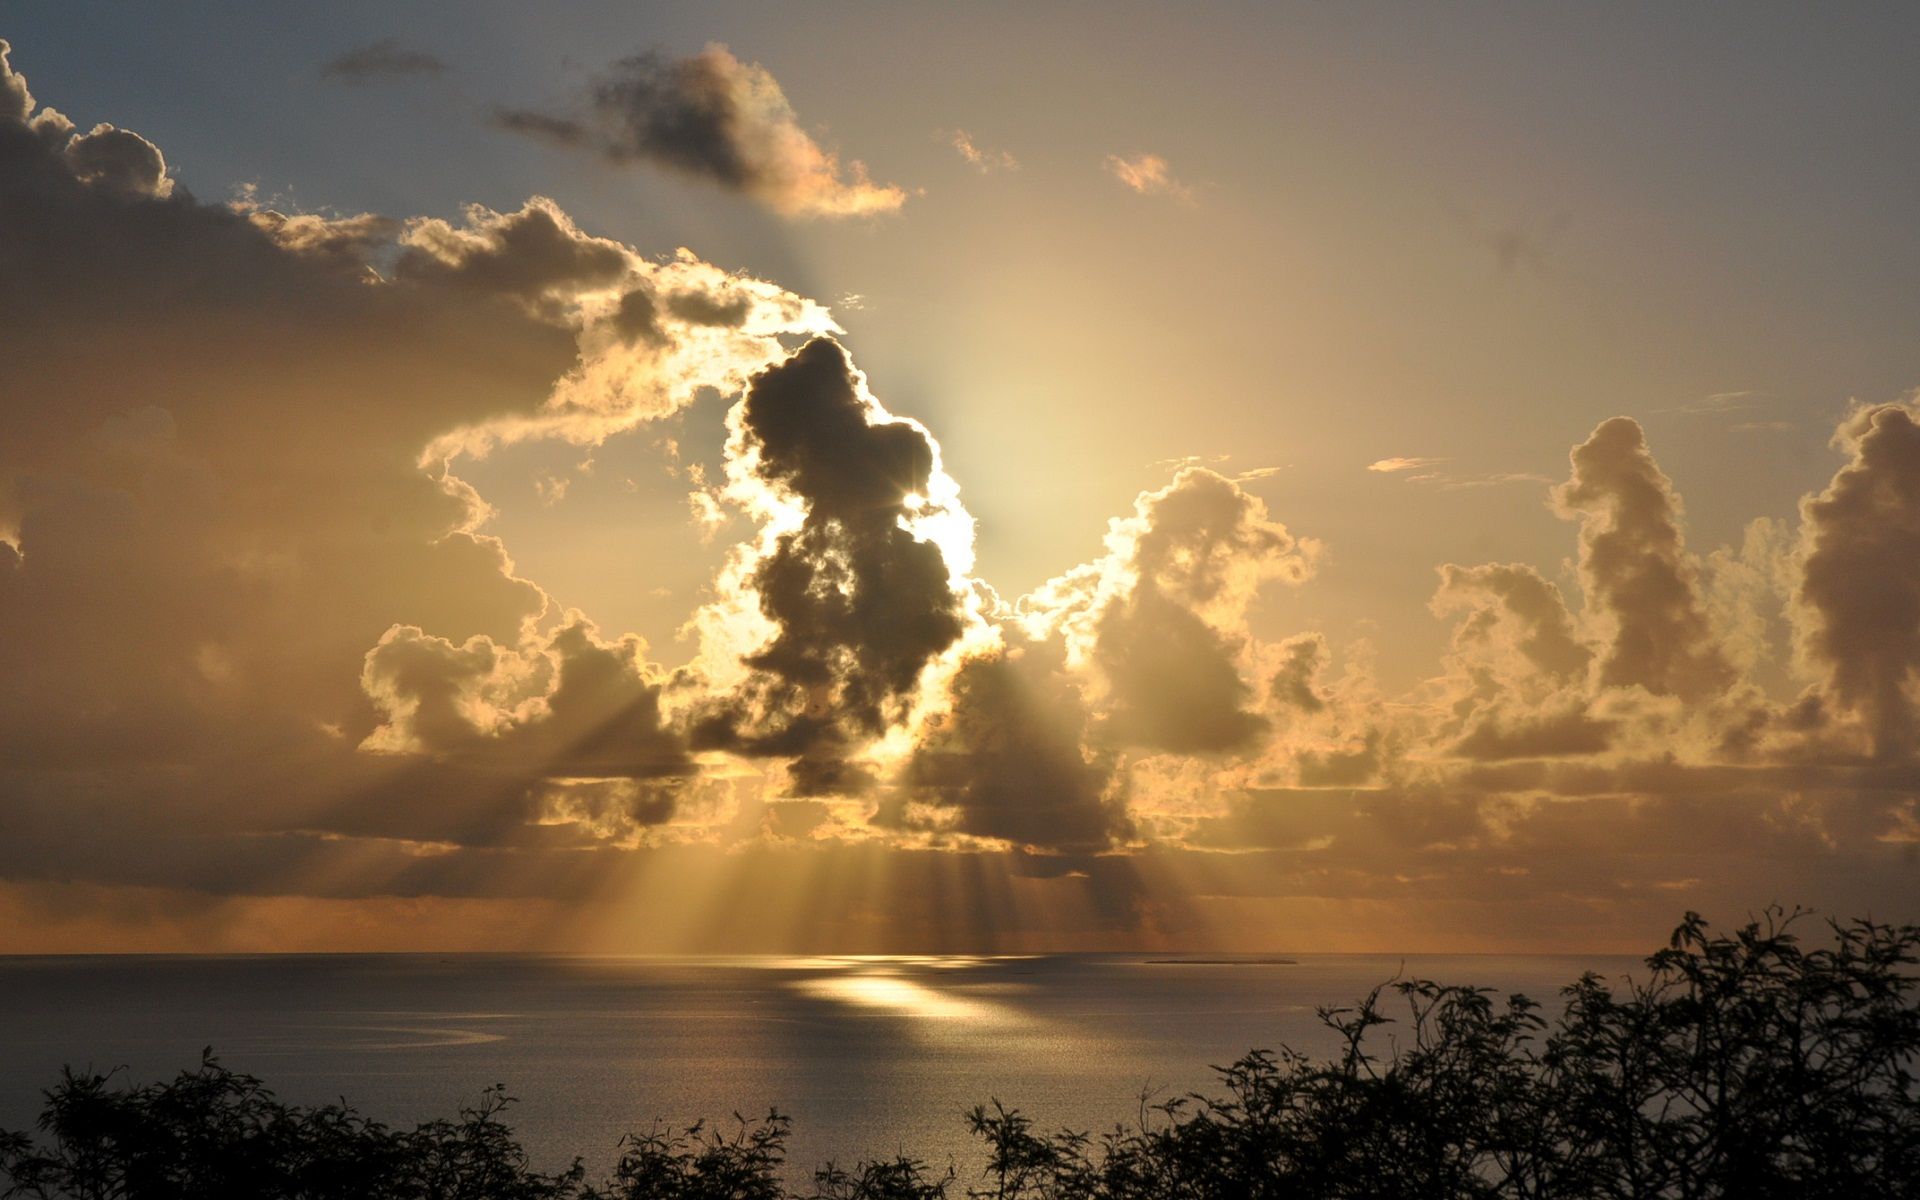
(869, 1056)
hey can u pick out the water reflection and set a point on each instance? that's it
(869, 1055)
(889, 985)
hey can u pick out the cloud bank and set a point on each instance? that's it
(267, 669)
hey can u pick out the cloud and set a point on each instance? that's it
(1159, 620)
(526, 254)
(1295, 684)
(1515, 622)
(1518, 244)
(1454, 483)
(564, 703)
(849, 595)
(268, 667)
(1640, 580)
(251, 589)
(978, 157)
(1147, 175)
(1857, 607)
(1008, 759)
(714, 118)
(650, 335)
(1568, 731)
(383, 59)
(1718, 403)
(1423, 472)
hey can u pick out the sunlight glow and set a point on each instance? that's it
(889, 991)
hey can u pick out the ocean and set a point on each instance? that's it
(869, 1056)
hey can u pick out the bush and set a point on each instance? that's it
(1742, 1066)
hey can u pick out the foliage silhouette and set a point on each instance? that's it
(1742, 1065)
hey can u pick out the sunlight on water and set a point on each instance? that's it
(414, 1037)
(867, 1054)
(874, 986)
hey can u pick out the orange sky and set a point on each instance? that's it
(492, 578)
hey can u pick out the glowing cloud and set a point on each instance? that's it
(1148, 174)
(263, 648)
(981, 159)
(712, 117)
(1390, 465)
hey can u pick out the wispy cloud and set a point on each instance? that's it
(1714, 403)
(1190, 460)
(1148, 174)
(1494, 479)
(1420, 470)
(1402, 463)
(1210, 461)
(979, 157)
(1253, 473)
(1515, 245)
(384, 59)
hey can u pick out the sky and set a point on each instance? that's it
(878, 478)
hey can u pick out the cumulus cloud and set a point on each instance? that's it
(1514, 622)
(119, 160)
(1642, 585)
(263, 646)
(650, 335)
(527, 254)
(1857, 607)
(243, 579)
(1008, 759)
(850, 585)
(1160, 618)
(565, 703)
(717, 119)
(383, 59)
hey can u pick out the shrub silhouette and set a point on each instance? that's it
(1741, 1066)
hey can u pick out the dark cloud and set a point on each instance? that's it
(545, 126)
(702, 308)
(1858, 603)
(1535, 734)
(384, 59)
(351, 242)
(254, 648)
(637, 317)
(568, 703)
(712, 117)
(1294, 685)
(859, 605)
(120, 160)
(213, 506)
(526, 253)
(1007, 759)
